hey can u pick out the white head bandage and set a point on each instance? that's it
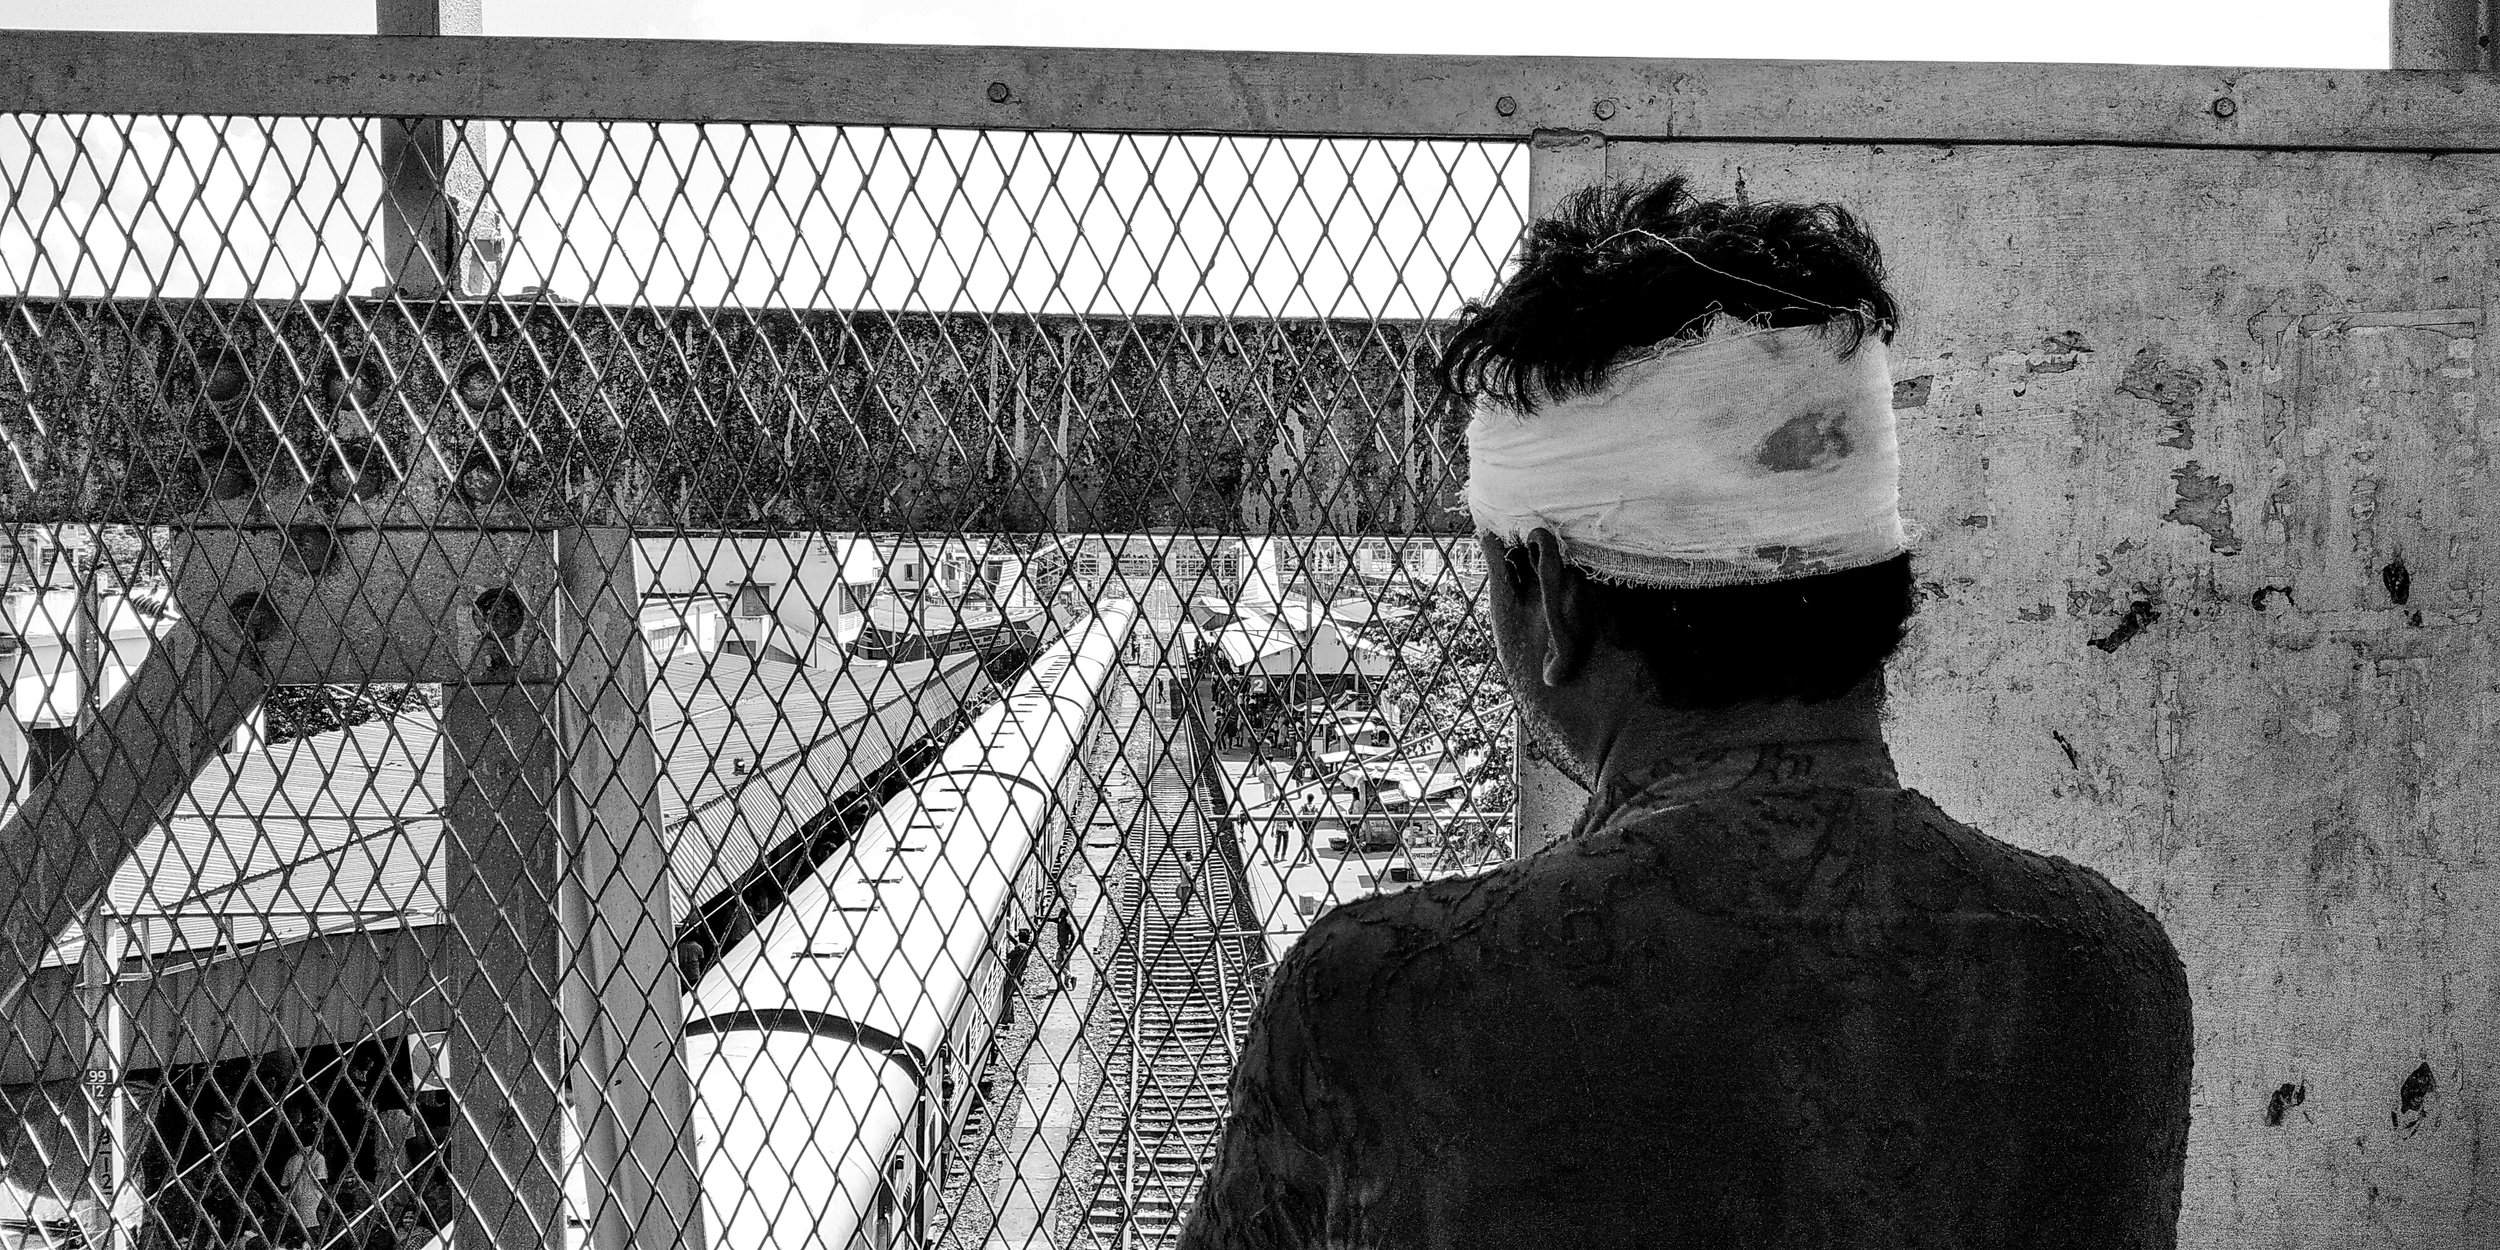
(1749, 455)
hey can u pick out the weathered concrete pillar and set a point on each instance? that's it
(1559, 163)
(623, 1003)
(502, 962)
(439, 236)
(503, 771)
(2439, 34)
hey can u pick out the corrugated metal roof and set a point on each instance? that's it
(344, 822)
(1296, 636)
(805, 735)
(342, 830)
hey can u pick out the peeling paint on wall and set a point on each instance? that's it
(2172, 387)
(2139, 614)
(2293, 629)
(2332, 331)
(2205, 503)
(2413, 1099)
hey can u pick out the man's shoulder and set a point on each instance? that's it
(2076, 908)
(1522, 935)
(1864, 845)
(1725, 863)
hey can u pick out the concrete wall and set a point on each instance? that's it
(2207, 441)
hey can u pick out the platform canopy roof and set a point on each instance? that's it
(344, 830)
(1295, 636)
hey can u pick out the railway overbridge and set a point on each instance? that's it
(375, 352)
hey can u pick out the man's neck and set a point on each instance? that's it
(1651, 748)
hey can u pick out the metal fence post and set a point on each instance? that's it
(87, 643)
(107, 1143)
(623, 1000)
(14, 747)
(100, 957)
(1559, 163)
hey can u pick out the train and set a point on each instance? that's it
(837, 1049)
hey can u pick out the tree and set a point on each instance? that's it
(302, 711)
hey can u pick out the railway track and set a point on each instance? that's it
(1180, 992)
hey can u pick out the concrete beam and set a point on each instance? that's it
(467, 415)
(1499, 98)
(61, 847)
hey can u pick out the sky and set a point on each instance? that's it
(2338, 34)
(905, 217)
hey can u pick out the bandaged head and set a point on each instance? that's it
(1748, 455)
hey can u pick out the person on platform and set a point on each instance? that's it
(1063, 928)
(394, 1129)
(220, 1196)
(304, 1183)
(1019, 958)
(1763, 995)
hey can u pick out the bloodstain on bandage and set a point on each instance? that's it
(1808, 440)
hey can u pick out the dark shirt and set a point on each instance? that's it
(1794, 1014)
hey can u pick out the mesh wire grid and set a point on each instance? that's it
(735, 686)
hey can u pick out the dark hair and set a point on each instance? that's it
(1620, 269)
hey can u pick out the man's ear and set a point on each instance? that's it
(1562, 602)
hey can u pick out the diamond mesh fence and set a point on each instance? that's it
(728, 686)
